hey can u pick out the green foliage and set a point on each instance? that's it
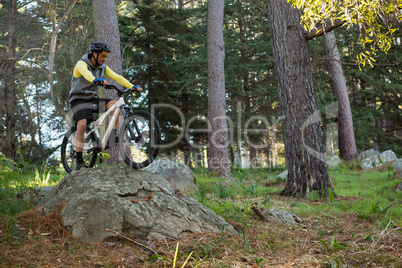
(330, 246)
(378, 28)
(13, 201)
(242, 175)
(200, 195)
(211, 248)
(221, 190)
(250, 190)
(314, 196)
(373, 92)
(42, 179)
(6, 165)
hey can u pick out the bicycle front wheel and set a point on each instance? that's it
(139, 141)
(68, 147)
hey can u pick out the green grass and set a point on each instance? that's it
(376, 190)
(366, 194)
(16, 183)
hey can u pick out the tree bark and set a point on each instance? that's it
(10, 86)
(218, 154)
(107, 30)
(346, 136)
(301, 125)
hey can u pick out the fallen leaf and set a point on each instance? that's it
(45, 234)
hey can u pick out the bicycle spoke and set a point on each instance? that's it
(68, 147)
(139, 137)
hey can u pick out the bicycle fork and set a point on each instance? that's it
(132, 135)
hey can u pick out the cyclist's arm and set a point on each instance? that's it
(81, 69)
(118, 78)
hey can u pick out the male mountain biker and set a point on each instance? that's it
(88, 74)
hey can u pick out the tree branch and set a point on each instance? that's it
(258, 211)
(132, 240)
(400, 202)
(325, 29)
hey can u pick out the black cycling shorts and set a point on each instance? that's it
(84, 109)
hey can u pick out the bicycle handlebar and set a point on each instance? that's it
(121, 91)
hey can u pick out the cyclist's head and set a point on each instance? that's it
(98, 48)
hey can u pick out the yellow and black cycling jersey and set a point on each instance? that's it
(84, 73)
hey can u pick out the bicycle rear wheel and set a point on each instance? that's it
(68, 153)
(140, 137)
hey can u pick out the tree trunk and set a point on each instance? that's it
(301, 125)
(346, 136)
(10, 147)
(107, 30)
(52, 52)
(218, 154)
(187, 157)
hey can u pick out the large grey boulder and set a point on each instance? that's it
(284, 216)
(367, 154)
(180, 176)
(40, 193)
(283, 176)
(378, 160)
(387, 156)
(398, 168)
(277, 215)
(133, 202)
(334, 161)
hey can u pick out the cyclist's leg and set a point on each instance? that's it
(79, 136)
(82, 116)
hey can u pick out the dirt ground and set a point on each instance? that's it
(43, 242)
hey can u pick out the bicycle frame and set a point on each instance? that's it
(98, 123)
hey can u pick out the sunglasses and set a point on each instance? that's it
(102, 56)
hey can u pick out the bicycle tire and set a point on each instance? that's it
(139, 149)
(68, 154)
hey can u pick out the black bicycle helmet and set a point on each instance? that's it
(99, 46)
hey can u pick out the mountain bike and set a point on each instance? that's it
(139, 137)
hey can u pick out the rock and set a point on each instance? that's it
(133, 202)
(180, 176)
(283, 176)
(284, 216)
(398, 168)
(370, 162)
(378, 160)
(42, 192)
(334, 161)
(367, 154)
(387, 156)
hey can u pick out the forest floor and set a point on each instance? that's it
(325, 238)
